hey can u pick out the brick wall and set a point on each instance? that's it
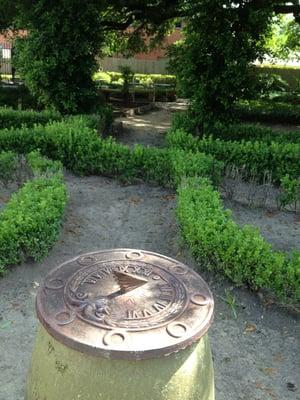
(160, 53)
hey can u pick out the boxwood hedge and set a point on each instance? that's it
(241, 253)
(31, 220)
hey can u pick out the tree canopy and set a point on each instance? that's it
(57, 57)
(284, 41)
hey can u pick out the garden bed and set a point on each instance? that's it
(253, 354)
(81, 150)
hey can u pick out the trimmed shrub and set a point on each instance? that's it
(144, 79)
(256, 159)
(268, 111)
(10, 118)
(81, 150)
(237, 131)
(30, 222)
(240, 253)
(8, 166)
(16, 118)
(290, 191)
(17, 96)
(101, 121)
(253, 132)
(188, 164)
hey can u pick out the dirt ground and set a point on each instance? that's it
(148, 129)
(256, 355)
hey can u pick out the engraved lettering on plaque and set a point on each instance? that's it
(124, 295)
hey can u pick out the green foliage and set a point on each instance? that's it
(187, 164)
(30, 222)
(146, 79)
(43, 166)
(115, 79)
(284, 41)
(235, 131)
(253, 157)
(252, 132)
(212, 65)
(240, 253)
(102, 76)
(8, 166)
(82, 151)
(101, 121)
(267, 111)
(290, 190)
(185, 121)
(269, 84)
(16, 97)
(127, 77)
(56, 59)
(16, 118)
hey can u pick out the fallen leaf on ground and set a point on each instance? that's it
(250, 328)
(135, 200)
(168, 197)
(270, 371)
(270, 392)
(271, 214)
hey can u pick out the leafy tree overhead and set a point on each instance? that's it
(57, 57)
(284, 41)
(212, 64)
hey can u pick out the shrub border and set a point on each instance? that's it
(30, 222)
(241, 253)
(255, 158)
(81, 150)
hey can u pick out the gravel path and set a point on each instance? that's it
(256, 356)
(148, 129)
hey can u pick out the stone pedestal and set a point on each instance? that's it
(61, 373)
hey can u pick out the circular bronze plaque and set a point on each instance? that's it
(129, 304)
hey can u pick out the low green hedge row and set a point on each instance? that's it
(31, 220)
(81, 150)
(16, 97)
(8, 165)
(268, 111)
(255, 159)
(17, 118)
(110, 76)
(10, 118)
(239, 252)
(236, 131)
(101, 121)
(253, 132)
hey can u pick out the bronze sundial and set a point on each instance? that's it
(124, 303)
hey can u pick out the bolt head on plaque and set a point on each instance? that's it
(125, 304)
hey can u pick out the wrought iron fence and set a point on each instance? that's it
(5, 58)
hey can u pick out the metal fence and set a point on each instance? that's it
(5, 58)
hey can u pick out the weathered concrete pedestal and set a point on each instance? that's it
(58, 372)
(122, 325)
